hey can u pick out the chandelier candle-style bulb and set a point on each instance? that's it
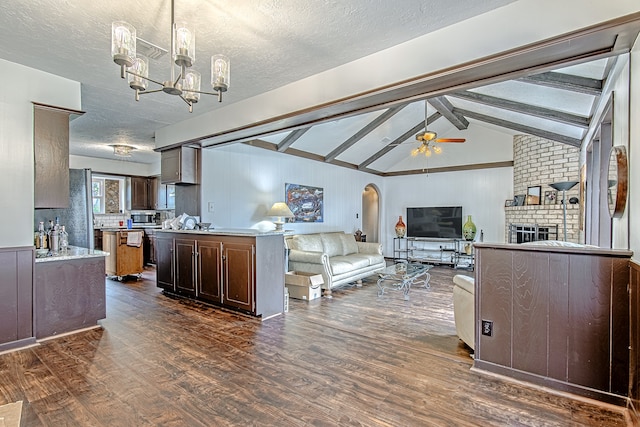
(138, 74)
(123, 45)
(220, 74)
(184, 42)
(191, 83)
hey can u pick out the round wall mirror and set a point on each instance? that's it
(617, 181)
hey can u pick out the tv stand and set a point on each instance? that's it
(432, 250)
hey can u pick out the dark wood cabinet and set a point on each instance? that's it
(164, 262)
(224, 269)
(143, 194)
(185, 260)
(209, 273)
(239, 273)
(51, 153)
(16, 296)
(179, 166)
(149, 246)
(97, 239)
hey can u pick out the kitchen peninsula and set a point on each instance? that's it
(238, 269)
(69, 291)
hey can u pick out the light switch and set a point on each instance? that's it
(210, 207)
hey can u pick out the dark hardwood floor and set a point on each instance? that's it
(353, 360)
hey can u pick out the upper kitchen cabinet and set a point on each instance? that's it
(142, 193)
(51, 154)
(165, 196)
(179, 166)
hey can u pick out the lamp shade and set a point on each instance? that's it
(280, 209)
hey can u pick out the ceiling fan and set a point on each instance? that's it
(428, 139)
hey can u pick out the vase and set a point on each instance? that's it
(401, 229)
(469, 229)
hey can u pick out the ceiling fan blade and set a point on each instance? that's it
(450, 140)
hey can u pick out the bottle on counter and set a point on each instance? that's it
(41, 237)
(64, 240)
(54, 238)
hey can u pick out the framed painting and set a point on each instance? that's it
(534, 195)
(550, 197)
(306, 202)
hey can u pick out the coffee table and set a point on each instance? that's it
(401, 276)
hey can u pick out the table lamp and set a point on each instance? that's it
(564, 186)
(280, 210)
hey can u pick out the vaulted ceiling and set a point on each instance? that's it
(274, 43)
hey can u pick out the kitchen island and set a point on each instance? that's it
(241, 269)
(69, 291)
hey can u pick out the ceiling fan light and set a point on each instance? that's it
(138, 74)
(427, 152)
(191, 83)
(123, 43)
(437, 149)
(415, 152)
(429, 135)
(184, 42)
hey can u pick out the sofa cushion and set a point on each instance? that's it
(332, 244)
(465, 282)
(349, 245)
(345, 264)
(372, 259)
(308, 242)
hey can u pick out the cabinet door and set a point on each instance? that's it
(239, 276)
(139, 193)
(185, 250)
(171, 196)
(210, 270)
(164, 262)
(161, 196)
(51, 155)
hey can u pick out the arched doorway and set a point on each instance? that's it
(371, 213)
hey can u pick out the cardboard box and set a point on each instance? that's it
(301, 285)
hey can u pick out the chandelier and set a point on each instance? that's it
(121, 150)
(186, 84)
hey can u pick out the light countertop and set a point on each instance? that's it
(228, 232)
(73, 252)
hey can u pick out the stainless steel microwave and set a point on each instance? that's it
(143, 218)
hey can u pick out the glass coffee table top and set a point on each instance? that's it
(401, 276)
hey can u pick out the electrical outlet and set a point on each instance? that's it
(487, 328)
(210, 207)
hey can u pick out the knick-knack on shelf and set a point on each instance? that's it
(401, 229)
(469, 229)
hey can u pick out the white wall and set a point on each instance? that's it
(243, 182)
(481, 193)
(633, 207)
(114, 167)
(22, 86)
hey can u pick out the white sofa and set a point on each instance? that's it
(337, 256)
(464, 308)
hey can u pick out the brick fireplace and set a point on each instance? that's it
(540, 162)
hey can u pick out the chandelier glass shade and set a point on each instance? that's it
(186, 84)
(121, 150)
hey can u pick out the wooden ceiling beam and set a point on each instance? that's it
(528, 109)
(363, 132)
(291, 138)
(562, 81)
(521, 128)
(444, 107)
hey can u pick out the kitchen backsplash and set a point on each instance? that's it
(113, 220)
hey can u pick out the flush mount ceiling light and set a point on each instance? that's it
(122, 150)
(187, 84)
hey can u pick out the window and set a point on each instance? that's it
(97, 192)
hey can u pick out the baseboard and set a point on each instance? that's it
(17, 345)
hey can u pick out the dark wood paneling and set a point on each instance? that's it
(570, 318)
(530, 312)
(588, 328)
(16, 294)
(634, 354)
(495, 301)
(558, 316)
(620, 326)
(68, 295)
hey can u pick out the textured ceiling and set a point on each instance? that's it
(270, 43)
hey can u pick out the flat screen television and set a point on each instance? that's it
(442, 222)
